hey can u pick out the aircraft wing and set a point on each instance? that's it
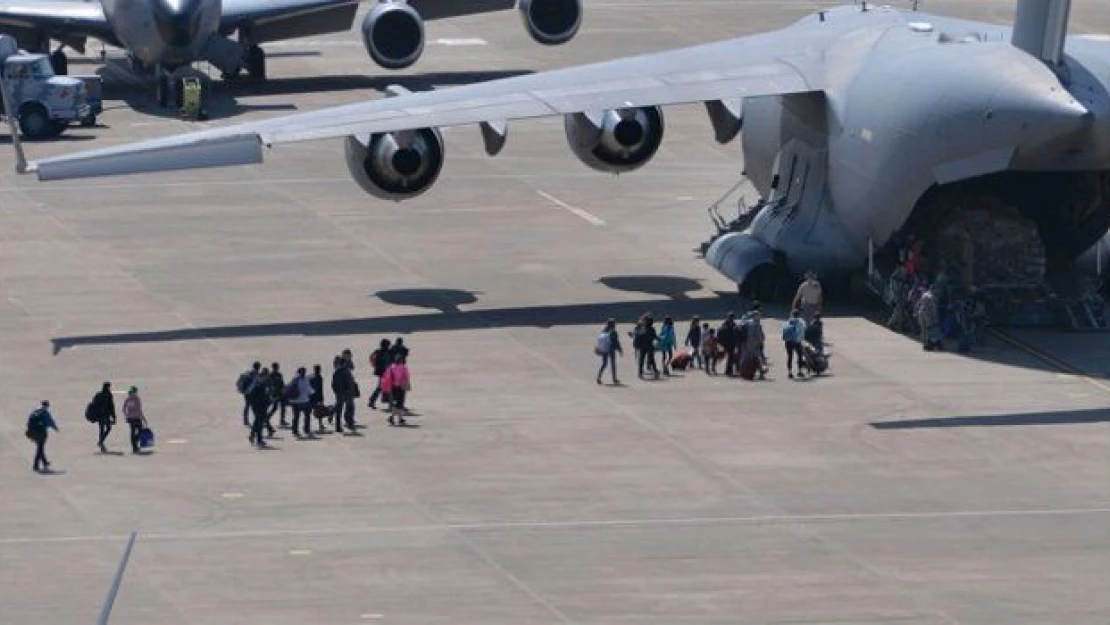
(273, 20)
(765, 64)
(70, 21)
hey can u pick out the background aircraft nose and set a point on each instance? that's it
(178, 21)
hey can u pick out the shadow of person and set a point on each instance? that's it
(674, 287)
(109, 452)
(446, 301)
(49, 471)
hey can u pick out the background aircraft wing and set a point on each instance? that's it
(766, 64)
(64, 20)
(273, 20)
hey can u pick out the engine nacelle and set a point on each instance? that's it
(396, 165)
(551, 22)
(620, 140)
(393, 33)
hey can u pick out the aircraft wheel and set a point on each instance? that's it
(34, 122)
(255, 60)
(60, 62)
(88, 121)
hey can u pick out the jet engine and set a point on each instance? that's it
(617, 141)
(551, 22)
(393, 33)
(396, 165)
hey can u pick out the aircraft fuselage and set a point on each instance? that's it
(169, 33)
(909, 108)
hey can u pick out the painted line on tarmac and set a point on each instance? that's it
(1061, 365)
(603, 523)
(584, 214)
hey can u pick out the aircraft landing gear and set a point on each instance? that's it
(162, 87)
(254, 59)
(59, 61)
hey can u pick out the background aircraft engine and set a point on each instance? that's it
(396, 165)
(551, 22)
(393, 33)
(623, 140)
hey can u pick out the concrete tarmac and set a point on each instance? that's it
(909, 487)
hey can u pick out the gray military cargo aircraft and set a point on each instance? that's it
(163, 35)
(858, 122)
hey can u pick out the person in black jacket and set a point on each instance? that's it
(644, 342)
(693, 342)
(258, 397)
(380, 360)
(728, 337)
(316, 380)
(345, 387)
(277, 399)
(104, 409)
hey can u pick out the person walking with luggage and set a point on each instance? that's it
(380, 359)
(607, 347)
(645, 346)
(133, 414)
(345, 387)
(243, 385)
(103, 410)
(753, 360)
(299, 394)
(693, 342)
(667, 343)
(39, 423)
(793, 333)
(397, 383)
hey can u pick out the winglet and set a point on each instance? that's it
(110, 600)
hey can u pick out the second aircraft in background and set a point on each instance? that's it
(161, 36)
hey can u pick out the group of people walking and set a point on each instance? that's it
(265, 393)
(739, 343)
(101, 410)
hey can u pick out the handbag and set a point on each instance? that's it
(146, 438)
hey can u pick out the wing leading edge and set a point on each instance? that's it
(767, 64)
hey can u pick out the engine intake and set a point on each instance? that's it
(396, 165)
(551, 22)
(621, 140)
(393, 33)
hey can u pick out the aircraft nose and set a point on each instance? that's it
(178, 21)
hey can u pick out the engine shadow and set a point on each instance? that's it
(1067, 417)
(446, 301)
(673, 287)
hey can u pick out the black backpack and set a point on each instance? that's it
(36, 425)
(243, 384)
(91, 413)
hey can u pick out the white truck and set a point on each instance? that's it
(44, 105)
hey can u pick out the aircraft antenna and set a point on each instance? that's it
(110, 600)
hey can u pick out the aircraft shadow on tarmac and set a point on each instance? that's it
(447, 317)
(1066, 417)
(669, 295)
(138, 93)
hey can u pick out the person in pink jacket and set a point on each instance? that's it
(133, 413)
(395, 385)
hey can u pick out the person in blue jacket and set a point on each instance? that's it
(38, 425)
(667, 342)
(793, 333)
